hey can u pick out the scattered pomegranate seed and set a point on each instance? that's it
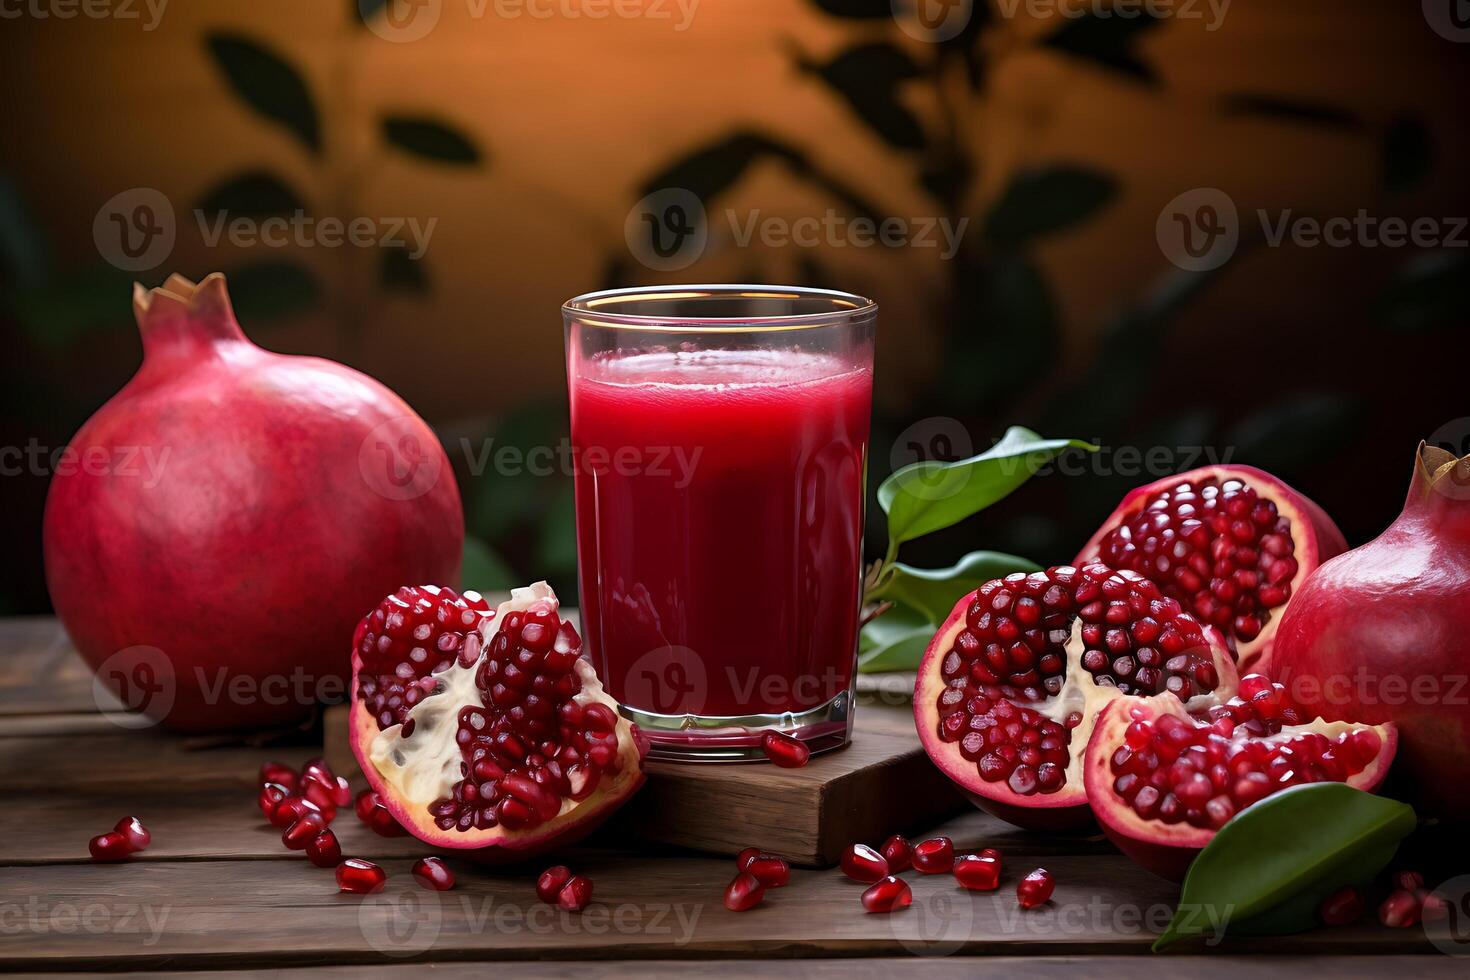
(897, 851)
(323, 797)
(1432, 906)
(887, 894)
(360, 877)
(300, 833)
(137, 835)
(575, 894)
(770, 870)
(548, 886)
(433, 873)
(323, 850)
(934, 856)
(988, 852)
(111, 846)
(1399, 910)
(861, 863)
(977, 873)
(1035, 889)
(278, 772)
(785, 751)
(1409, 881)
(270, 795)
(319, 770)
(363, 805)
(1342, 907)
(292, 809)
(744, 892)
(743, 859)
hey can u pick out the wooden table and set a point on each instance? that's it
(217, 891)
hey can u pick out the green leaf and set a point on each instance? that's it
(934, 591)
(1040, 201)
(895, 640)
(868, 77)
(431, 140)
(268, 84)
(928, 496)
(1302, 841)
(69, 306)
(483, 569)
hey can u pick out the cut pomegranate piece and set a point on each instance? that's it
(548, 886)
(575, 894)
(415, 633)
(111, 846)
(770, 870)
(1035, 889)
(323, 850)
(898, 852)
(360, 877)
(1230, 543)
(861, 863)
(1342, 907)
(511, 749)
(934, 856)
(744, 892)
(138, 837)
(888, 894)
(977, 873)
(785, 751)
(1400, 909)
(434, 874)
(1011, 685)
(1163, 781)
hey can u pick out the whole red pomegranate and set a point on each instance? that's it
(1231, 543)
(230, 515)
(487, 731)
(1382, 633)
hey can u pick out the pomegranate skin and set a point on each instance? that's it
(246, 552)
(1397, 611)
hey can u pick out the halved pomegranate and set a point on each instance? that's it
(1163, 780)
(509, 747)
(1011, 684)
(1231, 543)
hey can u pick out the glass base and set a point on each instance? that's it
(737, 738)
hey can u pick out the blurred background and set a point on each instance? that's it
(1115, 179)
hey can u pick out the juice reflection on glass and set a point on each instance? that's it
(721, 437)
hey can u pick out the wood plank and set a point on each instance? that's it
(40, 672)
(1216, 967)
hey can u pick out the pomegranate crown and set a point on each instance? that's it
(184, 312)
(1441, 480)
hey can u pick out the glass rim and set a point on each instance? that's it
(846, 307)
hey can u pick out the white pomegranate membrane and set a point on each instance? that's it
(510, 732)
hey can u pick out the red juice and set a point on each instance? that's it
(719, 517)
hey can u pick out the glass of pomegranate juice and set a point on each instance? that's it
(721, 443)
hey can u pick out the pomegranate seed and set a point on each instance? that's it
(861, 863)
(1433, 906)
(1400, 909)
(988, 852)
(343, 794)
(770, 870)
(360, 877)
(363, 805)
(292, 809)
(1035, 889)
(979, 874)
(270, 795)
(744, 892)
(279, 773)
(132, 828)
(109, 847)
(743, 859)
(575, 894)
(934, 856)
(1342, 907)
(887, 894)
(323, 850)
(897, 851)
(1409, 881)
(410, 635)
(382, 822)
(550, 882)
(434, 874)
(299, 834)
(785, 751)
